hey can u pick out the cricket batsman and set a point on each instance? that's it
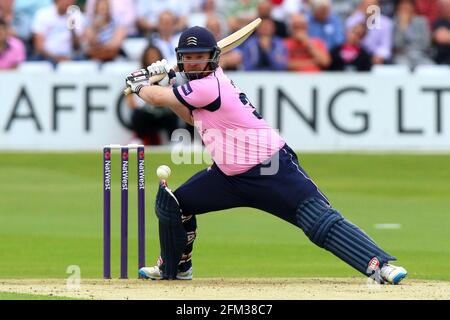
(253, 167)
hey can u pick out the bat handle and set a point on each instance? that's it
(153, 79)
(127, 91)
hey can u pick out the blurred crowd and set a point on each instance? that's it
(295, 35)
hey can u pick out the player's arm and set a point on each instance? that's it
(164, 97)
(160, 95)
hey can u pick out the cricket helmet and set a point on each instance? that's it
(193, 40)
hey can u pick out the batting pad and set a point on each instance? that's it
(172, 235)
(327, 228)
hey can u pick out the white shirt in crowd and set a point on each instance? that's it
(56, 31)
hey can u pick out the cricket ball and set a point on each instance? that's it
(163, 172)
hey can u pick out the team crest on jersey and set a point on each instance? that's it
(187, 89)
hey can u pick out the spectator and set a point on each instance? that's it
(24, 12)
(351, 56)
(411, 36)
(214, 24)
(240, 12)
(429, 9)
(305, 54)
(146, 120)
(283, 9)
(167, 39)
(378, 39)
(208, 9)
(149, 13)
(104, 36)
(265, 12)
(441, 33)
(264, 50)
(123, 11)
(12, 50)
(53, 40)
(325, 24)
(231, 60)
(6, 11)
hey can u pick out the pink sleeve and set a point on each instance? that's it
(20, 51)
(199, 93)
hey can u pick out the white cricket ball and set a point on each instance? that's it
(163, 172)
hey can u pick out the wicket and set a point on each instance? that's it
(124, 153)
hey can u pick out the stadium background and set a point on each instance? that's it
(377, 142)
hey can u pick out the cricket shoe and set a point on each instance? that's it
(393, 274)
(154, 273)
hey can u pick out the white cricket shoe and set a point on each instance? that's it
(154, 273)
(393, 274)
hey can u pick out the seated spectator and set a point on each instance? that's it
(240, 12)
(149, 13)
(283, 9)
(305, 54)
(378, 39)
(231, 60)
(265, 12)
(264, 50)
(325, 24)
(12, 50)
(429, 9)
(104, 36)
(147, 121)
(441, 33)
(214, 24)
(166, 39)
(208, 8)
(24, 12)
(351, 56)
(53, 40)
(411, 36)
(123, 11)
(6, 11)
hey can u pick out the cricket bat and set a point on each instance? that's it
(226, 44)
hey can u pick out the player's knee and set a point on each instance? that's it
(315, 217)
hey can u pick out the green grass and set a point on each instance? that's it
(51, 217)
(23, 296)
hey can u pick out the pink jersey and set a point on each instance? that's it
(233, 132)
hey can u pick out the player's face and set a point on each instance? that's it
(193, 61)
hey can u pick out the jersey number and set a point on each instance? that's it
(245, 101)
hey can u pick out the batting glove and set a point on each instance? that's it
(137, 80)
(161, 67)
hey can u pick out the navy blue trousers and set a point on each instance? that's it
(284, 195)
(279, 194)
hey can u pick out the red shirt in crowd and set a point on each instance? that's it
(297, 51)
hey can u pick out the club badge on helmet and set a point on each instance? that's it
(193, 40)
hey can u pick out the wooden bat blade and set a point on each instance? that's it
(226, 44)
(235, 39)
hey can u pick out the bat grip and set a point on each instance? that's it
(151, 80)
